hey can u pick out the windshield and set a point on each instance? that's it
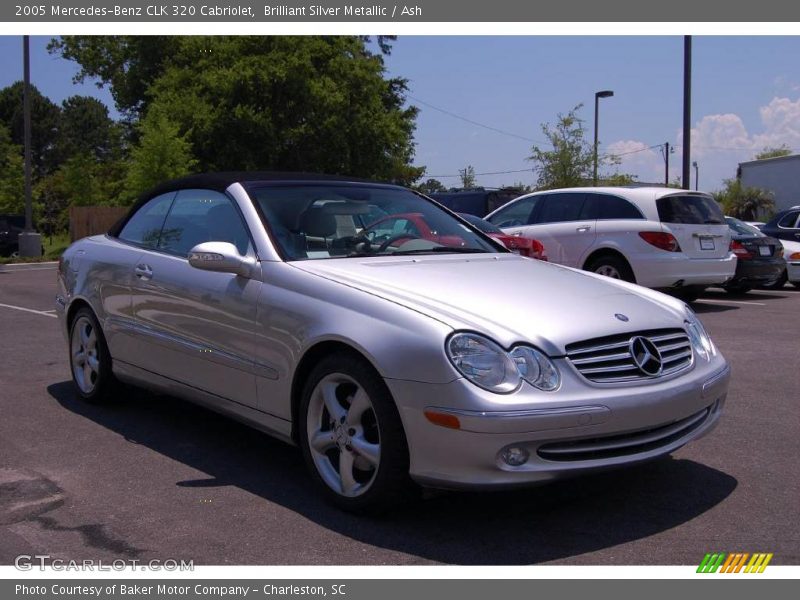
(742, 228)
(318, 221)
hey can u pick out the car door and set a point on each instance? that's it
(566, 224)
(113, 271)
(697, 222)
(196, 326)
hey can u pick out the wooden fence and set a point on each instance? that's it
(92, 220)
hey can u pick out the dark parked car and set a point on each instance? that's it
(10, 228)
(477, 202)
(760, 257)
(785, 225)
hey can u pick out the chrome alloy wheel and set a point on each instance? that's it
(85, 356)
(608, 271)
(343, 435)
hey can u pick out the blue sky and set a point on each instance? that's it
(746, 95)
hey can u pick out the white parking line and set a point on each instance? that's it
(46, 313)
(729, 302)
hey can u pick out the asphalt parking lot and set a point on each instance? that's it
(152, 477)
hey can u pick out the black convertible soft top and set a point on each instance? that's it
(222, 180)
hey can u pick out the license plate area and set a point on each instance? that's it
(764, 251)
(706, 243)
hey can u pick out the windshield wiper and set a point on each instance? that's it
(712, 222)
(440, 249)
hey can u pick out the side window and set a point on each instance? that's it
(614, 207)
(562, 207)
(516, 213)
(144, 227)
(199, 216)
(591, 207)
(789, 220)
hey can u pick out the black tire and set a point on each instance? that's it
(103, 383)
(737, 288)
(389, 483)
(689, 293)
(606, 264)
(779, 283)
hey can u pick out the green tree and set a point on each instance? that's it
(746, 203)
(309, 103)
(774, 152)
(468, 180)
(162, 153)
(45, 121)
(12, 178)
(86, 128)
(431, 186)
(128, 64)
(570, 160)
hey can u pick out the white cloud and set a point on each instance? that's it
(639, 159)
(719, 143)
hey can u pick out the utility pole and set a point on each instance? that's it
(666, 164)
(30, 243)
(687, 110)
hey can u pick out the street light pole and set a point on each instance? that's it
(26, 125)
(29, 243)
(696, 175)
(597, 96)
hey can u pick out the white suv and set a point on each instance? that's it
(661, 238)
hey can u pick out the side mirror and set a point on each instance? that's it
(222, 257)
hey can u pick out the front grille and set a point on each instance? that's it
(609, 360)
(623, 445)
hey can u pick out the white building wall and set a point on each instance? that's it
(781, 176)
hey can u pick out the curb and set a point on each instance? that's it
(35, 266)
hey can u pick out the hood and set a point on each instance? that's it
(506, 297)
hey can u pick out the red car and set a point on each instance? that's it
(407, 226)
(523, 246)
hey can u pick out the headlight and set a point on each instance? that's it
(535, 368)
(487, 365)
(699, 336)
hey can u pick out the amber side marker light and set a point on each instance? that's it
(443, 419)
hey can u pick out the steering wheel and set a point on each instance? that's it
(393, 238)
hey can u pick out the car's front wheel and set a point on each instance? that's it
(89, 358)
(352, 437)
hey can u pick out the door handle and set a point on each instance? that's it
(143, 272)
(583, 228)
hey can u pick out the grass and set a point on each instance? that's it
(53, 248)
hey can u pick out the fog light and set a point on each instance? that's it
(515, 456)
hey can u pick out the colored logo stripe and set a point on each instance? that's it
(734, 562)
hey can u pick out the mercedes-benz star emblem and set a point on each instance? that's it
(621, 317)
(646, 356)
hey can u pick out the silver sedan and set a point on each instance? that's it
(398, 346)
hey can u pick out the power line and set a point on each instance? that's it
(489, 127)
(487, 173)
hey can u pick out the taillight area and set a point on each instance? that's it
(740, 251)
(661, 240)
(794, 256)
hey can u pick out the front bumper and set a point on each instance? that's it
(589, 427)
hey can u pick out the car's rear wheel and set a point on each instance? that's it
(612, 266)
(689, 293)
(777, 284)
(737, 288)
(352, 437)
(89, 359)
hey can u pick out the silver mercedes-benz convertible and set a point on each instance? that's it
(393, 342)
